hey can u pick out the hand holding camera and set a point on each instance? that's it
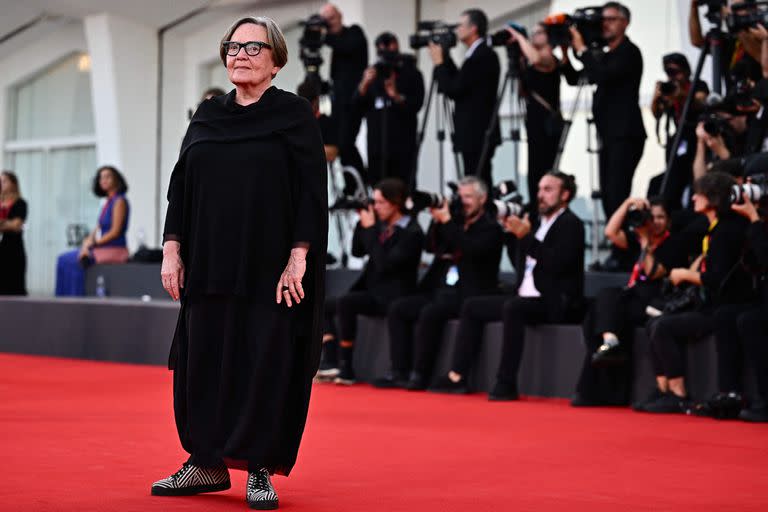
(436, 53)
(577, 40)
(442, 214)
(369, 75)
(711, 136)
(367, 217)
(517, 226)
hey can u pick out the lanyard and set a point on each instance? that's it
(705, 244)
(638, 267)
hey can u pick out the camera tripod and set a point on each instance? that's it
(516, 113)
(443, 119)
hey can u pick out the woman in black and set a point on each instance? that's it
(244, 249)
(717, 276)
(541, 89)
(13, 259)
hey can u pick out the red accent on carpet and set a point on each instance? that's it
(84, 436)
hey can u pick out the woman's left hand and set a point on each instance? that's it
(289, 285)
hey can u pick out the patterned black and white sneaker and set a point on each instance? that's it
(191, 480)
(259, 492)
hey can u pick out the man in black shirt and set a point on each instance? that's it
(615, 106)
(470, 242)
(473, 89)
(390, 95)
(349, 59)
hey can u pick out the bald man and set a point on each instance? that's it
(349, 58)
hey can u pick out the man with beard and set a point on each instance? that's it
(549, 258)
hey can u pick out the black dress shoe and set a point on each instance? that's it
(722, 406)
(754, 415)
(416, 382)
(669, 403)
(446, 385)
(503, 392)
(640, 405)
(391, 380)
(609, 355)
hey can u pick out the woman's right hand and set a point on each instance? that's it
(172, 271)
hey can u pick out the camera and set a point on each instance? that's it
(502, 37)
(714, 125)
(714, 10)
(437, 32)
(312, 39)
(351, 203)
(506, 200)
(587, 20)
(746, 15)
(668, 88)
(388, 62)
(637, 217)
(756, 191)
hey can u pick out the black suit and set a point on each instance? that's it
(476, 252)
(558, 276)
(473, 89)
(618, 120)
(392, 126)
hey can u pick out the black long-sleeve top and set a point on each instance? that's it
(348, 60)
(476, 251)
(616, 101)
(723, 276)
(401, 119)
(393, 261)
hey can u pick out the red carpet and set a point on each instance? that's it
(84, 436)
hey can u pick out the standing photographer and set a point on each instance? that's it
(668, 100)
(349, 59)
(390, 95)
(473, 89)
(615, 107)
(541, 85)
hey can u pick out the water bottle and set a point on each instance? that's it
(101, 286)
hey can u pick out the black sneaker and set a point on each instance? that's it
(609, 355)
(503, 392)
(329, 364)
(722, 406)
(259, 492)
(191, 479)
(346, 374)
(416, 382)
(446, 385)
(669, 403)
(754, 414)
(642, 404)
(392, 379)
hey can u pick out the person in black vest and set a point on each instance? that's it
(390, 95)
(473, 89)
(549, 258)
(541, 90)
(393, 242)
(615, 106)
(472, 240)
(349, 58)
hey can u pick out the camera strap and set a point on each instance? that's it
(541, 101)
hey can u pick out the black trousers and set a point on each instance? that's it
(472, 159)
(670, 333)
(349, 120)
(730, 347)
(342, 312)
(515, 312)
(616, 310)
(618, 160)
(393, 165)
(542, 149)
(753, 330)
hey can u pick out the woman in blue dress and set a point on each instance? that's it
(106, 243)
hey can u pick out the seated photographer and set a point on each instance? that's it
(329, 128)
(668, 100)
(715, 279)
(608, 327)
(473, 89)
(470, 236)
(393, 242)
(549, 258)
(390, 96)
(720, 136)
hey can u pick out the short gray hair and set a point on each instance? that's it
(481, 188)
(275, 38)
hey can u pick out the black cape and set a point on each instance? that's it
(237, 226)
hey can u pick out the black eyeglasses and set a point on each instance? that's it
(252, 48)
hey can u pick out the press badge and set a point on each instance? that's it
(452, 277)
(379, 103)
(682, 148)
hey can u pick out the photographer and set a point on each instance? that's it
(541, 84)
(668, 100)
(390, 95)
(329, 130)
(615, 107)
(392, 241)
(473, 89)
(549, 259)
(751, 324)
(349, 58)
(715, 279)
(606, 376)
(472, 239)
